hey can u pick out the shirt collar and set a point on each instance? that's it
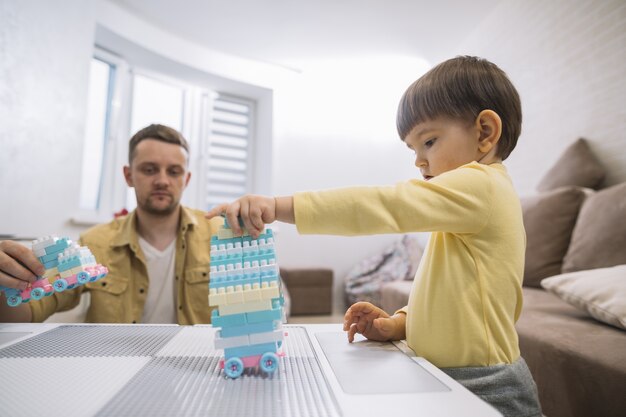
(128, 230)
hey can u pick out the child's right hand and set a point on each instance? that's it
(372, 322)
(254, 210)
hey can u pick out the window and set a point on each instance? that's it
(229, 162)
(99, 105)
(154, 100)
(124, 98)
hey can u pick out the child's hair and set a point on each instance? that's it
(460, 88)
(157, 132)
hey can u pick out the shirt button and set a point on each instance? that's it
(134, 321)
(180, 307)
(141, 290)
(176, 277)
(104, 284)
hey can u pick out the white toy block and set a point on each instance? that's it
(267, 337)
(43, 242)
(228, 342)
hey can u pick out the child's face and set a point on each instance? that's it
(443, 144)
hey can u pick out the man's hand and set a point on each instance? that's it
(18, 265)
(373, 323)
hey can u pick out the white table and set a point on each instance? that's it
(169, 370)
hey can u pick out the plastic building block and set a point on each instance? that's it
(67, 266)
(245, 287)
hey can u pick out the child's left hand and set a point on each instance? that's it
(373, 322)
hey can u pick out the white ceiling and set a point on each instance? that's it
(291, 33)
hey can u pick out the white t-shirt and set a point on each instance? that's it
(160, 304)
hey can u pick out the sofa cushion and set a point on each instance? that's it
(577, 166)
(578, 363)
(310, 290)
(599, 237)
(549, 220)
(600, 292)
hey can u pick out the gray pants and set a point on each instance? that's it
(508, 388)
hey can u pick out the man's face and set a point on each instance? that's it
(158, 172)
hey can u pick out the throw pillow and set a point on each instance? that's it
(601, 292)
(599, 237)
(577, 166)
(397, 262)
(549, 220)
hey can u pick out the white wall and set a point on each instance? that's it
(45, 52)
(45, 55)
(333, 125)
(568, 61)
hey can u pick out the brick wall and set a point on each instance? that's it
(568, 61)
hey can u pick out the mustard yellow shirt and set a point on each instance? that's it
(120, 297)
(466, 296)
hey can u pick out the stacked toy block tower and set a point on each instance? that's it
(67, 266)
(245, 287)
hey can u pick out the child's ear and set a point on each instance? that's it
(489, 125)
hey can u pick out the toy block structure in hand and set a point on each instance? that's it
(245, 286)
(67, 266)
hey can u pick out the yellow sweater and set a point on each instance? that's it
(466, 296)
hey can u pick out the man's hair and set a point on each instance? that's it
(156, 132)
(460, 88)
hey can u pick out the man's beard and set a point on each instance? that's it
(148, 207)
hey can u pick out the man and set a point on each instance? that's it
(157, 256)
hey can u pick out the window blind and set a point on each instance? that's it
(229, 164)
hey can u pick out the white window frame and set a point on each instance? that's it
(109, 197)
(196, 127)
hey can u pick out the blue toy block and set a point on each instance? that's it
(69, 263)
(242, 261)
(232, 281)
(52, 250)
(74, 261)
(50, 264)
(61, 244)
(48, 257)
(229, 320)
